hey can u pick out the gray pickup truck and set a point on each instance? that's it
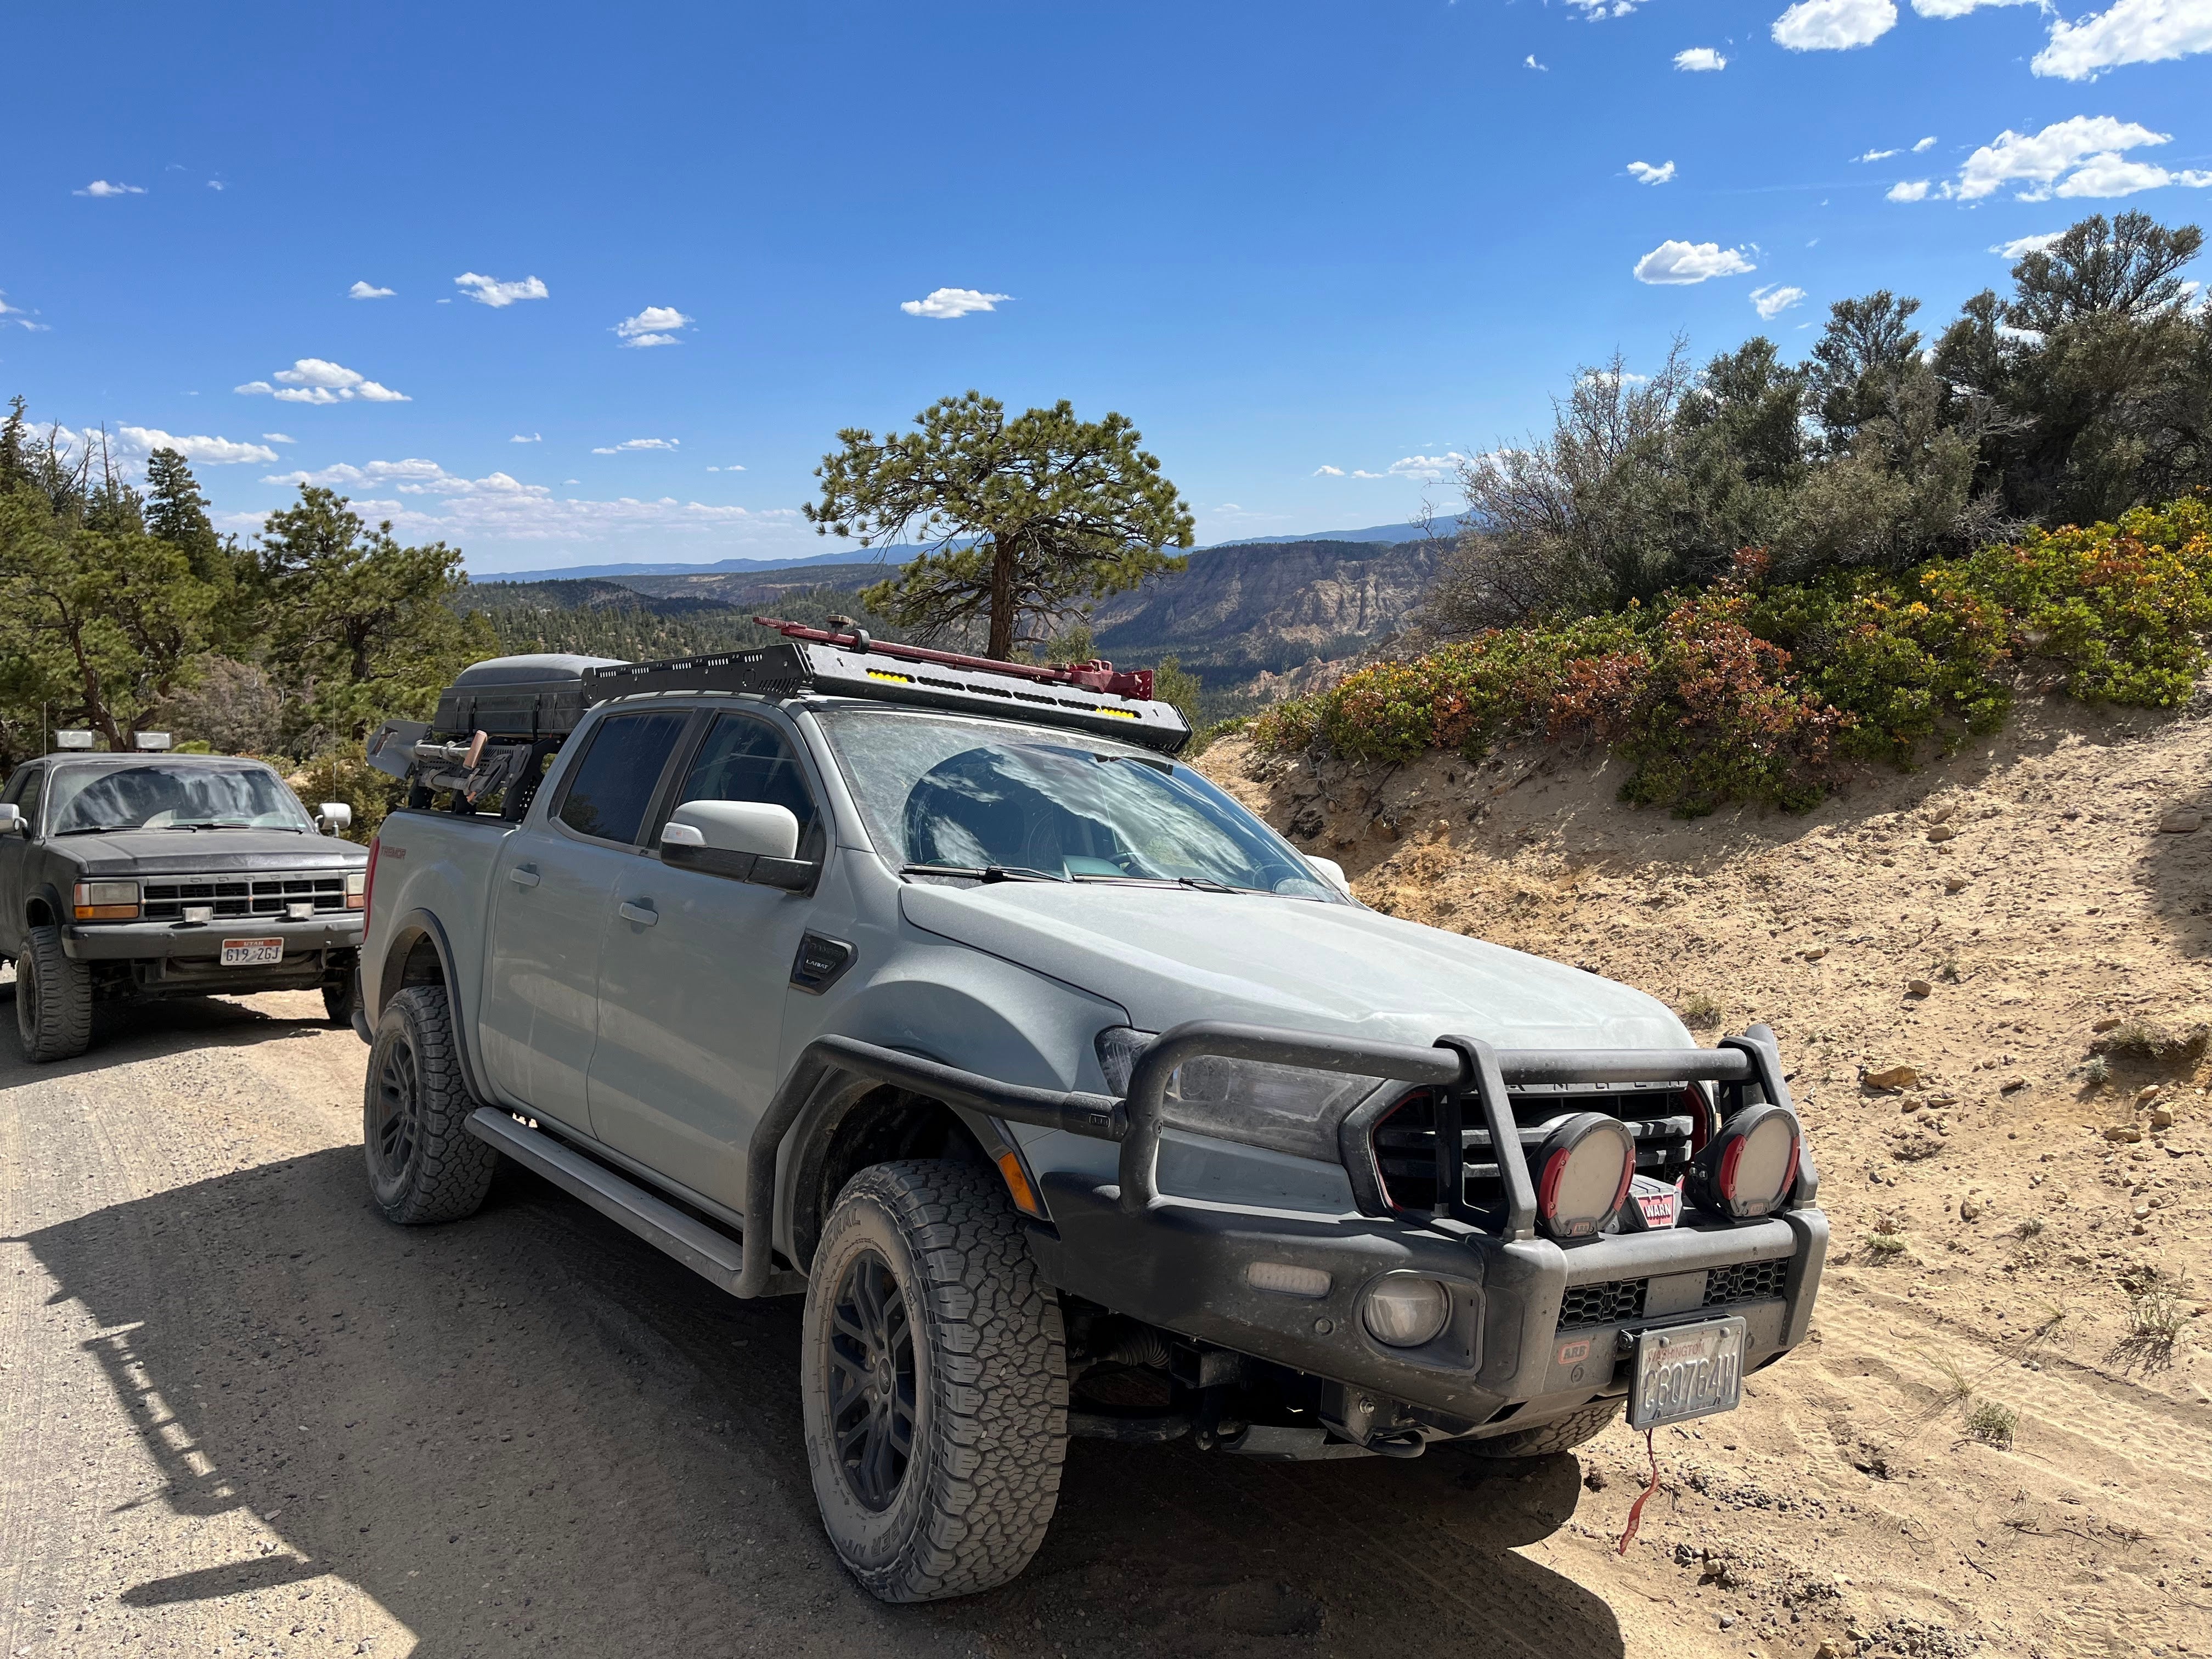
(125, 876)
(1073, 1098)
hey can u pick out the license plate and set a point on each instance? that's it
(251, 952)
(1692, 1370)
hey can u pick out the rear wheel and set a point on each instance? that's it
(53, 999)
(1561, 1434)
(423, 1163)
(933, 1370)
(339, 1000)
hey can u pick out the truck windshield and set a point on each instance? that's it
(942, 794)
(163, 795)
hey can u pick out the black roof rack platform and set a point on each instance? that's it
(1087, 696)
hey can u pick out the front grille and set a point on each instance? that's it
(1746, 1281)
(247, 893)
(1659, 1115)
(1603, 1304)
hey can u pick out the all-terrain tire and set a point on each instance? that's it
(1563, 1434)
(982, 1382)
(340, 1000)
(423, 1163)
(53, 999)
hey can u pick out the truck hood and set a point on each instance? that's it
(1170, 955)
(175, 852)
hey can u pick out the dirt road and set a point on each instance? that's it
(241, 1415)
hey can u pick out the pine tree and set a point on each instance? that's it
(177, 512)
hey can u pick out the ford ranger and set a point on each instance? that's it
(1072, 1099)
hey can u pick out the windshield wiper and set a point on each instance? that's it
(981, 873)
(98, 829)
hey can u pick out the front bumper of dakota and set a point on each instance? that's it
(200, 943)
(1536, 1329)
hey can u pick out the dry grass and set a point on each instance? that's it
(2148, 1040)
(1992, 1424)
(1700, 1012)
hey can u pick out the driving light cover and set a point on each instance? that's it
(1404, 1310)
(1747, 1169)
(1582, 1172)
(106, 901)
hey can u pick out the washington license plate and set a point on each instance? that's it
(251, 952)
(1692, 1370)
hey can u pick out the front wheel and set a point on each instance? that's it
(53, 999)
(933, 1370)
(1562, 1434)
(423, 1163)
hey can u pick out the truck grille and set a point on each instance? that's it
(1746, 1281)
(246, 893)
(1619, 1300)
(1660, 1117)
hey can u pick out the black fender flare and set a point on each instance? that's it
(419, 924)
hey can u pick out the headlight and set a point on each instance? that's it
(356, 890)
(106, 901)
(1286, 1109)
(1405, 1310)
(1747, 1169)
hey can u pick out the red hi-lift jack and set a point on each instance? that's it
(1097, 674)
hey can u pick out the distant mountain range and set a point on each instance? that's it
(901, 553)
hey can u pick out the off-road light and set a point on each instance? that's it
(1406, 1310)
(1747, 1169)
(106, 901)
(1582, 1172)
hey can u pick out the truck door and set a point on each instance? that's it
(693, 974)
(553, 898)
(24, 790)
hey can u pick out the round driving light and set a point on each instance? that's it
(1582, 1172)
(1405, 1311)
(1747, 1169)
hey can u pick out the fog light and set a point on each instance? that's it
(1747, 1169)
(1405, 1311)
(199, 913)
(1283, 1279)
(300, 910)
(1582, 1172)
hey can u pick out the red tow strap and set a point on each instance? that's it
(1636, 1510)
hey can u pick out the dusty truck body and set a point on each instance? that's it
(153, 875)
(1073, 1098)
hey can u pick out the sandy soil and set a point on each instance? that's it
(240, 1414)
(2000, 1437)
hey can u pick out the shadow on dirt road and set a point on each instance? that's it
(528, 1430)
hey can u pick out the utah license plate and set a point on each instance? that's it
(1692, 1370)
(251, 952)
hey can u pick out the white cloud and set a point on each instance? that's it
(2132, 31)
(1596, 9)
(366, 291)
(1960, 8)
(208, 451)
(949, 302)
(1928, 142)
(1682, 263)
(1645, 173)
(1879, 155)
(490, 291)
(527, 438)
(1909, 190)
(1529, 62)
(1772, 301)
(1699, 59)
(1430, 467)
(1833, 25)
(1328, 473)
(655, 325)
(2076, 157)
(278, 438)
(217, 184)
(314, 381)
(638, 443)
(733, 468)
(18, 316)
(101, 187)
(2020, 246)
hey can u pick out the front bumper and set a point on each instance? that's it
(1531, 1328)
(132, 941)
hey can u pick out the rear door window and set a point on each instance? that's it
(613, 786)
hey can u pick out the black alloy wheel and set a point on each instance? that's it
(395, 1125)
(872, 1384)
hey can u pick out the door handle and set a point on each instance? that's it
(523, 876)
(644, 914)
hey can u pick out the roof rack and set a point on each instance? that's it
(1092, 696)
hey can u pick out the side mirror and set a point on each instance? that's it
(1333, 871)
(743, 839)
(12, 820)
(334, 815)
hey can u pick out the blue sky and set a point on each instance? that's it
(1281, 238)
